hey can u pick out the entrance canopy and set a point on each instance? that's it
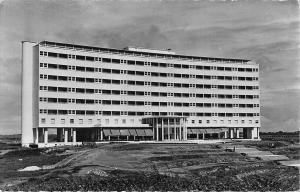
(204, 131)
(128, 132)
(165, 127)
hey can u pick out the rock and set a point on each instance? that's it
(98, 172)
(30, 168)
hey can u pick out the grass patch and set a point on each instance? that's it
(217, 180)
(18, 159)
(130, 147)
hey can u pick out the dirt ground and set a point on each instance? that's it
(204, 167)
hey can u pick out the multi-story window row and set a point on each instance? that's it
(145, 63)
(145, 103)
(141, 113)
(116, 121)
(145, 83)
(145, 73)
(145, 93)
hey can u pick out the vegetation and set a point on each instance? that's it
(21, 158)
(217, 179)
(167, 167)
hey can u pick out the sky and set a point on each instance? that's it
(264, 31)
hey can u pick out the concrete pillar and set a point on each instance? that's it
(66, 135)
(37, 135)
(198, 136)
(175, 133)
(74, 135)
(203, 136)
(157, 132)
(45, 135)
(180, 130)
(162, 129)
(253, 132)
(153, 126)
(231, 133)
(101, 134)
(225, 135)
(185, 130)
(237, 133)
(169, 129)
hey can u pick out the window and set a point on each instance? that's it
(43, 120)
(52, 54)
(193, 121)
(106, 121)
(80, 121)
(71, 121)
(116, 121)
(123, 121)
(52, 121)
(200, 121)
(61, 55)
(131, 121)
(117, 61)
(229, 121)
(207, 121)
(90, 121)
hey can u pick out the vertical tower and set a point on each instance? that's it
(28, 92)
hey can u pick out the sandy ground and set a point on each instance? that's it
(109, 158)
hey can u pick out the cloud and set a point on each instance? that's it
(265, 31)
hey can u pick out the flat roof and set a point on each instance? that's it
(147, 54)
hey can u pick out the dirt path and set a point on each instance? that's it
(254, 152)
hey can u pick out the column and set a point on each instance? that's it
(231, 133)
(153, 127)
(157, 132)
(180, 131)
(185, 131)
(66, 135)
(237, 133)
(175, 133)
(203, 136)
(169, 129)
(162, 129)
(37, 135)
(253, 132)
(45, 135)
(197, 136)
(101, 134)
(74, 135)
(225, 134)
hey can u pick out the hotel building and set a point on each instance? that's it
(75, 93)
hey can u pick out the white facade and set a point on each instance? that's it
(71, 87)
